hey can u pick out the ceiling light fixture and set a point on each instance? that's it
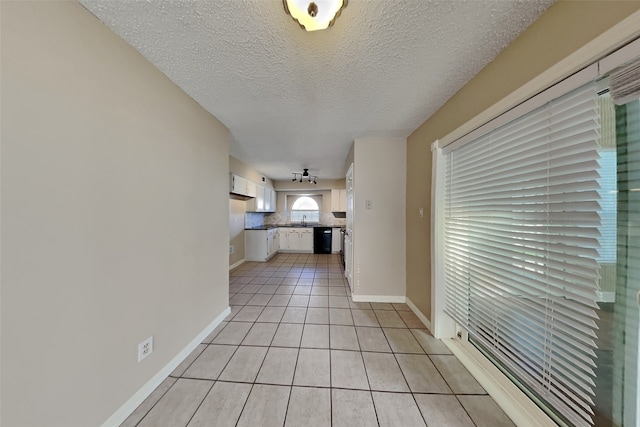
(304, 176)
(314, 15)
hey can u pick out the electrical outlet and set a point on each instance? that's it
(231, 249)
(145, 348)
(368, 204)
(421, 213)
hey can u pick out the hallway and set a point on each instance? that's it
(296, 350)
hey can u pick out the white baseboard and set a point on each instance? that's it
(517, 405)
(231, 267)
(134, 401)
(378, 298)
(418, 313)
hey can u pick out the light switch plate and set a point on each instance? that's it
(368, 204)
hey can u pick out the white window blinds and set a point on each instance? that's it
(625, 84)
(521, 242)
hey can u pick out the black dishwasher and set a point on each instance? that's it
(322, 240)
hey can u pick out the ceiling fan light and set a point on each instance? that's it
(313, 15)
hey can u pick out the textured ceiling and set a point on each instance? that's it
(294, 99)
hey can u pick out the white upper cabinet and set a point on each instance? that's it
(263, 198)
(264, 201)
(252, 188)
(339, 200)
(239, 185)
(269, 200)
(260, 199)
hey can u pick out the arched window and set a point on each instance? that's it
(305, 208)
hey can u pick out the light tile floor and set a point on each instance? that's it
(296, 351)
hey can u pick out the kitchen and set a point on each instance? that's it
(377, 245)
(263, 226)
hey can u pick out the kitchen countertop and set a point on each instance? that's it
(270, 226)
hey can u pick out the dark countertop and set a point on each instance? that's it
(268, 227)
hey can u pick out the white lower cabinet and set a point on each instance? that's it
(335, 240)
(284, 239)
(306, 240)
(260, 245)
(273, 241)
(296, 239)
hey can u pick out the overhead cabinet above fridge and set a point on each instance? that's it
(242, 186)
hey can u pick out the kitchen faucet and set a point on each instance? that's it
(304, 217)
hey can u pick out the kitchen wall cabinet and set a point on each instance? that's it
(239, 185)
(269, 200)
(252, 188)
(260, 245)
(243, 186)
(339, 200)
(264, 201)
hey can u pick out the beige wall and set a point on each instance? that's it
(239, 168)
(379, 242)
(114, 195)
(561, 30)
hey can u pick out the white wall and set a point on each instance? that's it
(379, 233)
(114, 217)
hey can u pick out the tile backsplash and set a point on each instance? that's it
(258, 219)
(326, 218)
(254, 219)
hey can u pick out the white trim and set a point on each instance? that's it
(378, 298)
(517, 405)
(443, 326)
(134, 401)
(242, 261)
(422, 317)
(625, 31)
(620, 57)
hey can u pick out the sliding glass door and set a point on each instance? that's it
(625, 328)
(541, 226)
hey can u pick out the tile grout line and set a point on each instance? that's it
(329, 324)
(201, 402)
(158, 401)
